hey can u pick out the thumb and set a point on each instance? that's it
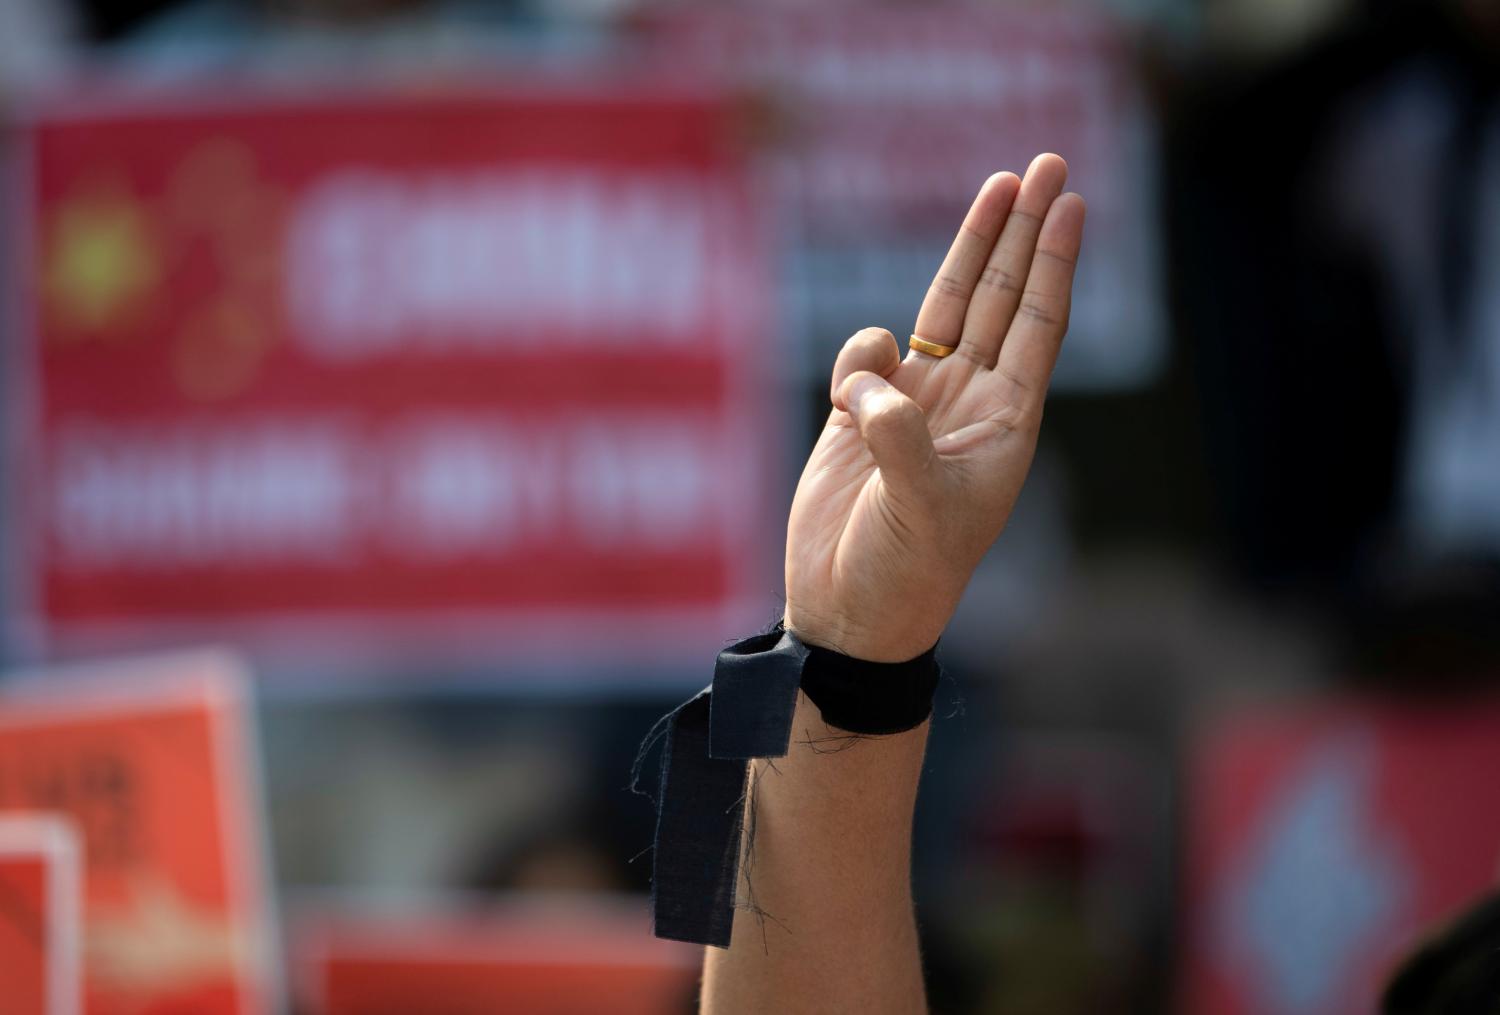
(894, 428)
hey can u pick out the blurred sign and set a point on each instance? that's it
(151, 760)
(474, 365)
(886, 118)
(1065, 837)
(1325, 841)
(590, 959)
(39, 915)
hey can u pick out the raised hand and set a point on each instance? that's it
(922, 458)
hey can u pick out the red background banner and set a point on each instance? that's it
(453, 363)
(1325, 842)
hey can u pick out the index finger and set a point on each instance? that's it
(941, 319)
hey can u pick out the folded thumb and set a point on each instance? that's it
(894, 428)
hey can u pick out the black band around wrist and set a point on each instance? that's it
(747, 713)
(870, 698)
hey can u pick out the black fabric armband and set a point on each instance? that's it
(747, 713)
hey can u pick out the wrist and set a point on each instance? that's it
(867, 697)
(894, 642)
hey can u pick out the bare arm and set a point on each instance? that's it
(912, 480)
(829, 867)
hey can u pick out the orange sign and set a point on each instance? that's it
(541, 962)
(39, 915)
(151, 760)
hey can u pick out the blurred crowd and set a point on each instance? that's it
(1218, 708)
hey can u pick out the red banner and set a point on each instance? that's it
(152, 763)
(40, 915)
(536, 959)
(1325, 841)
(461, 365)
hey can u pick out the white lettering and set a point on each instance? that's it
(164, 497)
(380, 264)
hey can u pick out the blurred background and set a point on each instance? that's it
(452, 364)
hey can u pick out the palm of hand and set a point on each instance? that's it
(921, 461)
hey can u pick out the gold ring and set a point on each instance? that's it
(930, 348)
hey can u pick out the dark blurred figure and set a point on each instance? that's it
(1334, 238)
(105, 20)
(210, 31)
(1457, 972)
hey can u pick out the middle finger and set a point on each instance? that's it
(999, 283)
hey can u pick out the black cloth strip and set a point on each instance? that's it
(747, 713)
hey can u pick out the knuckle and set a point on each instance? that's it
(951, 287)
(1000, 279)
(971, 352)
(1059, 256)
(1042, 311)
(1030, 219)
(890, 412)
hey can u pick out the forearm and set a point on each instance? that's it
(829, 867)
(912, 480)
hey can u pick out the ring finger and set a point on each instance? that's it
(941, 319)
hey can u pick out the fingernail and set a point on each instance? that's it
(862, 388)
